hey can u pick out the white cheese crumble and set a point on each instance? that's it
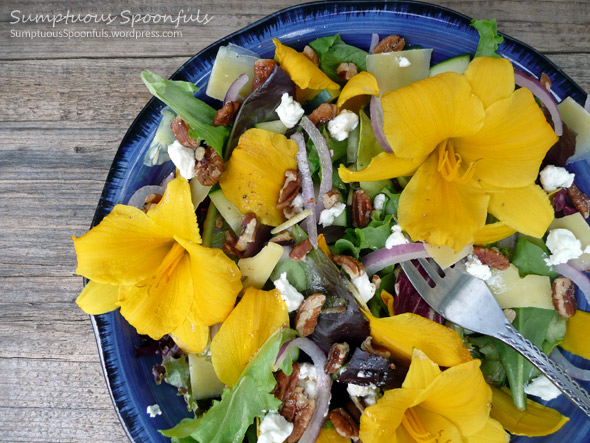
(292, 297)
(327, 216)
(541, 387)
(365, 288)
(368, 393)
(289, 111)
(564, 246)
(475, 267)
(297, 204)
(403, 62)
(396, 238)
(379, 202)
(341, 125)
(553, 177)
(308, 379)
(274, 428)
(183, 158)
(154, 410)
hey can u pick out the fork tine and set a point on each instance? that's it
(430, 270)
(415, 277)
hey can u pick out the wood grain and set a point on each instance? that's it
(66, 105)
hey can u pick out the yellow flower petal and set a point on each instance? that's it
(388, 300)
(176, 212)
(256, 317)
(468, 409)
(437, 425)
(98, 298)
(492, 432)
(125, 248)
(190, 336)
(331, 436)
(440, 212)
(217, 282)
(323, 245)
(491, 79)
(302, 70)
(417, 117)
(401, 333)
(577, 333)
(537, 420)
(422, 371)
(160, 304)
(255, 173)
(492, 233)
(382, 166)
(528, 209)
(512, 143)
(362, 84)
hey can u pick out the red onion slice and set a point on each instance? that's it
(374, 42)
(532, 84)
(377, 123)
(306, 189)
(575, 275)
(233, 93)
(324, 384)
(138, 198)
(168, 179)
(587, 104)
(579, 373)
(325, 162)
(382, 258)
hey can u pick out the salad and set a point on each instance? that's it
(265, 269)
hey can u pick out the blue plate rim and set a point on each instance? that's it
(105, 203)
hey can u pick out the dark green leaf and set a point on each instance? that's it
(332, 51)
(295, 273)
(555, 333)
(529, 257)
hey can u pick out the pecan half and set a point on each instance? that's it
(491, 257)
(362, 208)
(336, 356)
(579, 200)
(283, 238)
(290, 189)
(343, 423)
(250, 229)
(226, 114)
(323, 113)
(301, 421)
(350, 265)
(563, 295)
(545, 81)
(262, 70)
(151, 200)
(208, 166)
(389, 44)
(180, 130)
(286, 383)
(345, 71)
(299, 251)
(330, 198)
(368, 346)
(229, 247)
(311, 54)
(307, 315)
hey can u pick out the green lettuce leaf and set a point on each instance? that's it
(372, 237)
(368, 147)
(178, 95)
(332, 51)
(529, 257)
(489, 40)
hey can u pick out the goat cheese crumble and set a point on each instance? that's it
(564, 246)
(403, 62)
(475, 267)
(154, 410)
(341, 125)
(183, 158)
(327, 216)
(396, 237)
(368, 393)
(289, 111)
(308, 379)
(379, 202)
(365, 288)
(292, 297)
(274, 428)
(554, 177)
(541, 387)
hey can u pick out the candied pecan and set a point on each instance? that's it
(250, 229)
(262, 69)
(376, 280)
(330, 198)
(290, 189)
(323, 113)
(545, 81)
(336, 356)
(301, 421)
(283, 238)
(299, 252)
(563, 295)
(151, 200)
(491, 257)
(219, 224)
(350, 265)
(389, 44)
(343, 423)
(292, 401)
(362, 208)
(368, 346)
(353, 410)
(579, 200)
(311, 54)
(208, 166)
(345, 71)
(229, 247)
(286, 383)
(226, 114)
(180, 130)
(307, 315)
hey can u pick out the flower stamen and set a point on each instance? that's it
(411, 422)
(449, 163)
(169, 263)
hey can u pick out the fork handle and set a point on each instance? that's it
(566, 384)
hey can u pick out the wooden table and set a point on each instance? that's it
(66, 105)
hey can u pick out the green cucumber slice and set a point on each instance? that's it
(228, 210)
(456, 64)
(275, 126)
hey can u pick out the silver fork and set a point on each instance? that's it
(467, 301)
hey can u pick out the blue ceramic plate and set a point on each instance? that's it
(130, 379)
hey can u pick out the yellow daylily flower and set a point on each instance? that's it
(255, 173)
(434, 405)
(474, 145)
(310, 79)
(153, 267)
(355, 91)
(576, 335)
